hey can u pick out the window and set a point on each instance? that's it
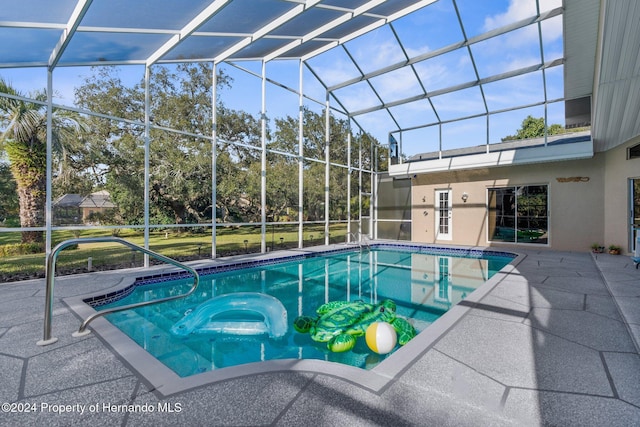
(519, 214)
(633, 152)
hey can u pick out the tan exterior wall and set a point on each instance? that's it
(576, 208)
(618, 171)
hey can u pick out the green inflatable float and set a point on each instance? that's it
(338, 323)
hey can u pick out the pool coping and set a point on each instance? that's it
(165, 382)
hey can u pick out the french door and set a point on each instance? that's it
(443, 215)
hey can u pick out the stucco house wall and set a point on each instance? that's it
(618, 170)
(576, 191)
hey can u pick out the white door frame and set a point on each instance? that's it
(634, 229)
(443, 205)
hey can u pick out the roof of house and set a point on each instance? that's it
(68, 200)
(99, 199)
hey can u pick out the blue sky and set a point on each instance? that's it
(426, 30)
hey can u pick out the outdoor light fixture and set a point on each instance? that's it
(465, 196)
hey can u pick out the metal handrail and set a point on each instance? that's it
(363, 241)
(355, 238)
(50, 278)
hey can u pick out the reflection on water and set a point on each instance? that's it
(439, 282)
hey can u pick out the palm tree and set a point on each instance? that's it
(24, 138)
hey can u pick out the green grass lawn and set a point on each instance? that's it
(171, 243)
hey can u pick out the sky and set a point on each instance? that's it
(426, 30)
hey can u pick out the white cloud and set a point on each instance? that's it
(333, 67)
(412, 52)
(515, 91)
(446, 70)
(396, 85)
(518, 10)
(356, 97)
(517, 62)
(337, 72)
(459, 104)
(383, 54)
(522, 9)
(378, 124)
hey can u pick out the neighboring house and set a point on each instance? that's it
(66, 209)
(77, 209)
(96, 203)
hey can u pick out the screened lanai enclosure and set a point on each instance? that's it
(239, 126)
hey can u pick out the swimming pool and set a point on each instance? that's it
(424, 282)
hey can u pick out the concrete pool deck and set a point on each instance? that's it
(554, 342)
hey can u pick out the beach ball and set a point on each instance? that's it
(381, 337)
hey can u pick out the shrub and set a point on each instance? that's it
(20, 249)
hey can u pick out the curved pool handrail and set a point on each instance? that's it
(50, 278)
(362, 242)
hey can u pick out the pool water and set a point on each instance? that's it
(423, 286)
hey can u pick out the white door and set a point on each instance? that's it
(443, 215)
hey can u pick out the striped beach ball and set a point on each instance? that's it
(381, 337)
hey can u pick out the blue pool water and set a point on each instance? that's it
(423, 286)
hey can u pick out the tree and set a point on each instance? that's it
(533, 128)
(314, 143)
(8, 199)
(181, 176)
(180, 168)
(113, 151)
(25, 141)
(180, 163)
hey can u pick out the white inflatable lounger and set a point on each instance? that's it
(248, 313)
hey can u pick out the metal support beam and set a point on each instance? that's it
(349, 183)
(214, 158)
(324, 28)
(49, 163)
(187, 30)
(450, 48)
(263, 157)
(380, 22)
(327, 169)
(473, 63)
(360, 188)
(373, 198)
(72, 25)
(300, 158)
(461, 86)
(147, 150)
(272, 25)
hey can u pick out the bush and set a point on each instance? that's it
(11, 221)
(20, 249)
